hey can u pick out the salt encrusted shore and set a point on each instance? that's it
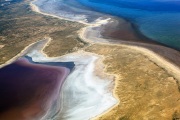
(79, 87)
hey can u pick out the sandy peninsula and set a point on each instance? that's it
(154, 53)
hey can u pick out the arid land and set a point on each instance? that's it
(20, 26)
(145, 89)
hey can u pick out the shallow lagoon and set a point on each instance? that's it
(29, 89)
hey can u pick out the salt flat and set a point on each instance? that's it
(84, 94)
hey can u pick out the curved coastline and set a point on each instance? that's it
(88, 34)
(142, 48)
(23, 52)
(151, 55)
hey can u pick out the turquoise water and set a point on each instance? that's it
(158, 20)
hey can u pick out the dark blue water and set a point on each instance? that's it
(69, 65)
(158, 20)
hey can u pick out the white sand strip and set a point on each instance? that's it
(23, 52)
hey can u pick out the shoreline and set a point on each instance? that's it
(152, 56)
(134, 46)
(23, 52)
(156, 58)
(40, 45)
(36, 9)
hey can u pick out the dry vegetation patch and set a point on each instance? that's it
(20, 26)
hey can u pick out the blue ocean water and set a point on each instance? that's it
(158, 20)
